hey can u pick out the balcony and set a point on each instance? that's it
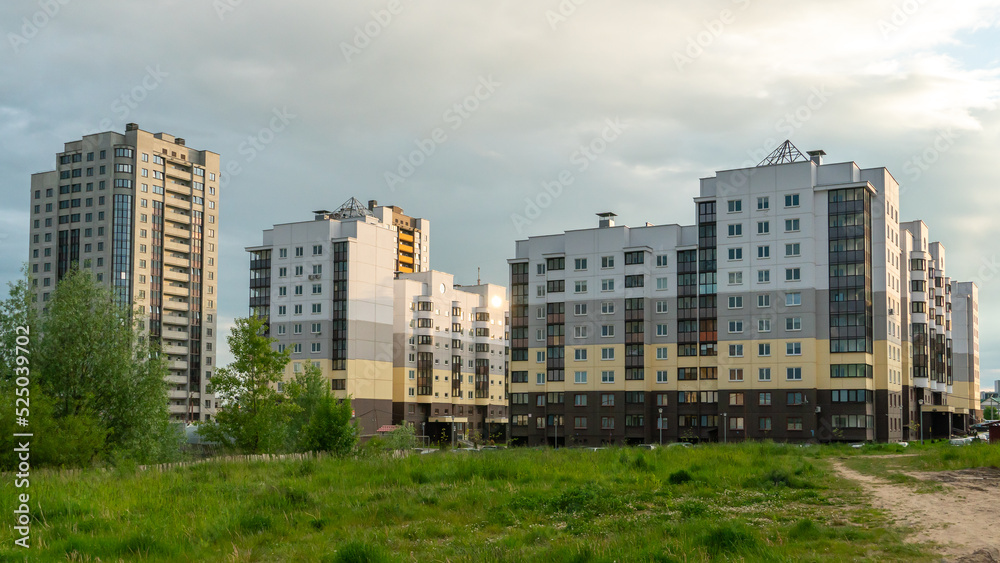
(180, 320)
(405, 237)
(170, 274)
(172, 305)
(403, 247)
(176, 262)
(178, 232)
(181, 335)
(174, 349)
(176, 379)
(176, 290)
(173, 246)
(177, 217)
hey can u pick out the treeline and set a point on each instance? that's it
(97, 393)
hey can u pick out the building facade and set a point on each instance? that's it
(780, 314)
(413, 240)
(140, 211)
(450, 356)
(336, 293)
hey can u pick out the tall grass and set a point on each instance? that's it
(757, 501)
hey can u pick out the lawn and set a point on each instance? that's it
(753, 502)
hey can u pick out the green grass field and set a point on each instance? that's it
(752, 502)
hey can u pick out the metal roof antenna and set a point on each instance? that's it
(784, 154)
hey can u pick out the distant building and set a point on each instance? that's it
(329, 292)
(140, 211)
(788, 311)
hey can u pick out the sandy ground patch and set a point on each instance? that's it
(963, 518)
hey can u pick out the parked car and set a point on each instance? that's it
(680, 444)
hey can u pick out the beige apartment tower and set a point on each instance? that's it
(140, 211)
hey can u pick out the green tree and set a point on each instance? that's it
(330, 428)
(100, 370)
(15, 312)
(307, 390)
(254, 416)
(991, 413)
(403, 437)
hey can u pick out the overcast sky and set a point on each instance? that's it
(311, 103)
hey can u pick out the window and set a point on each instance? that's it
(540, 291)
(661, 330)
(661, 261)
(579, 331)
(763, 227)
(607, 399)
(607, 331)
(793, 299)
(793, 249)
(793, 374)
(607, 261)
(298, 309)
(763, 252)
(791, 225)
(297, 348)
(607, 423)
(539, 356)
(736, 229)
(608, 284)
(315, 346)
(687, 374)
(635, 257)
(736, 302)
(555, 263)
(299, 251)
(662, 376)
(793, 274)
(793, 323)
(317, 328)
(793, 348)
(607, 353)
(317, 289)
(764, 301)
(580, 354)
(763, 374)
(662, 283)
(580, 286)
(763, 203)
(540, 378)
(317, 249)
(580, 309)
(735, 205)
(580, 264)
(540, 269)
(735, 327)
(792, 200)
(607, 308)
(736, 374)
(735, 278)
(580, 377)
(635, 281)
(580, 399)
(763, 276)
(764, 399)
(661, 306)
(735, 254)
(735, 350)
(795, 423)
(764, 349)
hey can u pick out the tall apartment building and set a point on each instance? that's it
(450, 355)
(329, 291)
(779, 314)
(140, 210)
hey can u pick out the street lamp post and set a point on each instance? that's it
(725, 428)
(920, 409)
(660, 424)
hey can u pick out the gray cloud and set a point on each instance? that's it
(895, 77)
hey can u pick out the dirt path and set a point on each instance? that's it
(964, 518)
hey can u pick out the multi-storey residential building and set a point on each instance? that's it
(413, 244)
(139, 210)
(450, 355)
(328, 290)
(779, 314)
